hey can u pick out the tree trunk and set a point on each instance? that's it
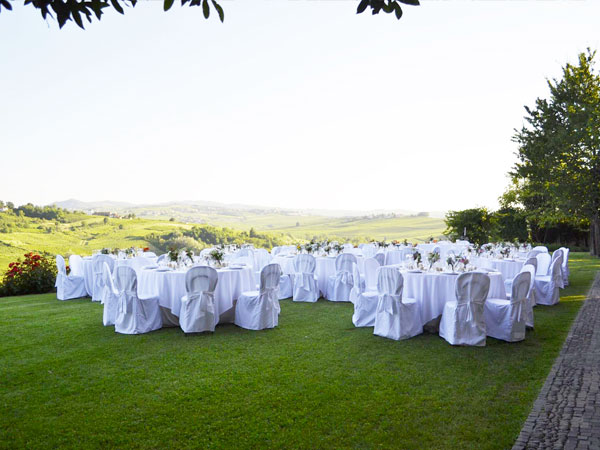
(595, 236)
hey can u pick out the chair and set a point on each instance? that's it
(395, 317)
(134, 315)
(565, 266)
(164, 258)
(530, 294)
(340, 285)
(543, 266)
(371, 267)
(541, 248)
(533, 254)
(76, 265)
(149, 255)
(462, 321)
(197, 312)
(556, 254)
(380, 257)
(68, 286)
(245, 256)
(365, 305)
(256, 310)
(506, 319)
(369, 250)
(547, 286)
(97, 267)
(109, 298)
(305, 284)
(529, 262)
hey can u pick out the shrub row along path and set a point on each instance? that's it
(566, 414)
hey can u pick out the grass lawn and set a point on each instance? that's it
(314, 382)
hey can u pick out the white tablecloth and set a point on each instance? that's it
(433, 290)
(136, 263)
(169, 287)
(509, 268)
(285, 262)
(326, 268)
(397, 255)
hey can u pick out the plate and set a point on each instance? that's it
(236, 267)
(415, 271)
(450, 273)
(163, 269)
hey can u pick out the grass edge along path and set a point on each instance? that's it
(316, 381)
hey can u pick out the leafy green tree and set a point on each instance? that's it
(80, 10)
(476, 224)
(557, 176)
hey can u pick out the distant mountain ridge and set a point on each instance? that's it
(216, 207)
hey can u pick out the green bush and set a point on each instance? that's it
(34, 275)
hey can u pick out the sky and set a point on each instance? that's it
(288, 103)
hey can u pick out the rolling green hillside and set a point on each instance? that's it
(82, 234)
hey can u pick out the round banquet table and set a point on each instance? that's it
(169, 287)
(286, 262)
(136, 263)
(509, 268)
(397, 255)
(326, 268)
(432, 291)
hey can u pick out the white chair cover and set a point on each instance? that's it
(369, 250)
(150, 254)
(462, 321)
(380, 257)
(110, 298)
(371, 274)
(565, 266)
(163, 258)
(533, 253)
(506, 319)
(365, 303)
(558, 254)
(256, 310)
(197, 312)
(76, 265)
(134, 315)
(97, 267)
(245, 256)
(547, 286)
(395, 317)
(342, 283)
(532, 261)
(541, 248)
(305, 284)
(68, 286)
(530, 294)
(544, 260)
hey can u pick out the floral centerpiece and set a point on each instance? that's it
(451, 260)
(464, 261)
(190, 255)
(105, 251)
(338, 248)
(217, 256)
(173, 254)
(417, 257)
(432, 258)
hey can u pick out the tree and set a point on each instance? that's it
(475, 224)
(557, 176)
(78, 10)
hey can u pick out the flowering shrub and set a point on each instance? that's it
(34, 275)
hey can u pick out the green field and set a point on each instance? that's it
(83, 234)
(314, 382)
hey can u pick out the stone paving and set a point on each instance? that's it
(566, 414)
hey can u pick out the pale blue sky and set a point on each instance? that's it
(300, 104)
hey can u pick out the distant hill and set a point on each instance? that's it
(77, 205)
